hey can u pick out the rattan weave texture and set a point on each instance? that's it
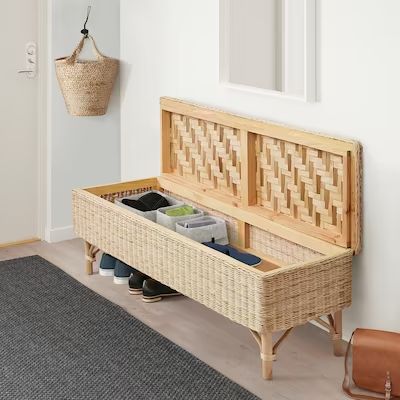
(206, 153)
(262, 301)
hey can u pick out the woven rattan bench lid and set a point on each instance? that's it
(302, 181)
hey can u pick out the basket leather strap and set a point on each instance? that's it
(75, 54)
(346, 381)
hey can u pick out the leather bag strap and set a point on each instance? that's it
(346, 381)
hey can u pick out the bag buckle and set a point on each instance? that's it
(388, 386)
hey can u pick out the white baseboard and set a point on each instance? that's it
(59, 234)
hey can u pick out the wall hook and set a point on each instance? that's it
(84, 31)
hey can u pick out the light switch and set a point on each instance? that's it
(30, 61)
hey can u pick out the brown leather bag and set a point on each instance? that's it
(376, 364)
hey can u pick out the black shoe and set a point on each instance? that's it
(137, 204)
(154, 201)
(136, 282)
(148, 202)
(154, 291)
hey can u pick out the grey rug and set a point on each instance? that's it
(60, 340)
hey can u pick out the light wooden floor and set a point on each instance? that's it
(305, 370)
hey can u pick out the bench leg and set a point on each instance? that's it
(338, 344)
(268, 349)
(90, 257)
(334, 325)
(267, 354)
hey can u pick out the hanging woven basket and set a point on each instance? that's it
(86, 84)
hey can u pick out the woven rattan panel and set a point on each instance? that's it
(117, 195)
(206, 153)
(301, 182)
(279, 248)
(284, 176)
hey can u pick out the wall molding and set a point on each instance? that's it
(44, 104)
(60, 234)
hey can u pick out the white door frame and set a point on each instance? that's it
(44, 112)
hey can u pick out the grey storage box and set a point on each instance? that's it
(151, 215)
(205, 233)
(170, 222)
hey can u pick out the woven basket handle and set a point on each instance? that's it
(74, 56)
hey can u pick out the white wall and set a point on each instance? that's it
(84, 151)
(253, 41)
(173, 50)
(294, 51)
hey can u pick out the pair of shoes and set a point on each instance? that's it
(110, 266)
(230, 251)
(139, 283)
(150, 289)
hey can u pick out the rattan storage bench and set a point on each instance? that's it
(289, 196)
